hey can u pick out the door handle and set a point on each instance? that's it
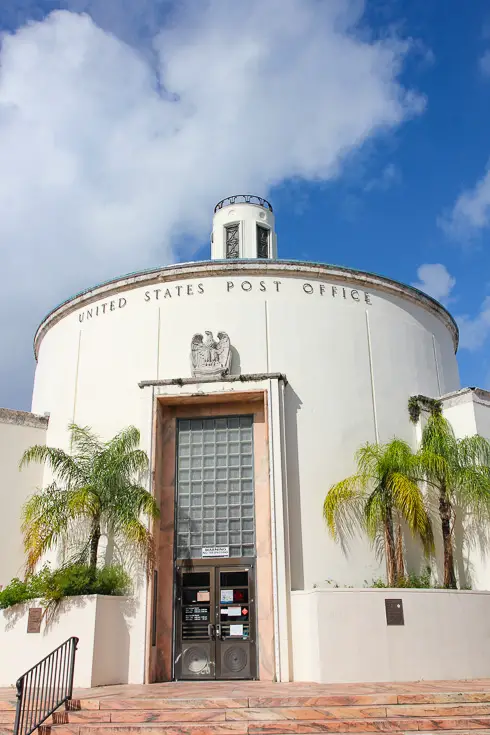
(211, 631)
(218, 630)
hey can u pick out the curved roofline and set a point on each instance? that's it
(216, 267)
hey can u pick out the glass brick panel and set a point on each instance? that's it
(215, 505)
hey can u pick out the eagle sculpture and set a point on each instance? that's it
(209, 357)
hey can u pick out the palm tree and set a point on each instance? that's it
(458, 470)
(95, 489)
(382, 494)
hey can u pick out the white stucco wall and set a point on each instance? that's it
(101, 623)
(342, 636)
(18, 432)
(352, 356)
(353, 347)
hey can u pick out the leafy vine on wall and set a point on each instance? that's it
(417, 403)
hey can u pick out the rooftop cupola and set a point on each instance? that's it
(243, 227)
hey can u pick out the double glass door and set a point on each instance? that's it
(215, 622)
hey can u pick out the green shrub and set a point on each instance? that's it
(14, 593)
(69, 581)
(422, 581)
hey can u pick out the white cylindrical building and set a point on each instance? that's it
(269, 374)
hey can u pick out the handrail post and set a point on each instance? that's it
(72, 667)
(18, 707)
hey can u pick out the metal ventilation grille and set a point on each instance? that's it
(196, 660)
(235, 660)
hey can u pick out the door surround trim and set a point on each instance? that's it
(167, 409)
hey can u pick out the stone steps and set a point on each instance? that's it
(284, 712)
(281, 712)
(309, 727)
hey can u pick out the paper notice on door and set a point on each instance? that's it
(234, 612)
(226, 595)
(203, 596)
(236, 630)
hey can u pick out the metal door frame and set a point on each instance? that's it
(181, 569)
(252, 605)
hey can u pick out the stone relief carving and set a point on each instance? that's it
(210, 357)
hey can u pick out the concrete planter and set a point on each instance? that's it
(102, 624)
(341, 635)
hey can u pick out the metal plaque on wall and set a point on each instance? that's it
(394, 612)
(34, 620)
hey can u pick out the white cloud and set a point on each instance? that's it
(475, 331)
(471, 212)
(436, 281)
(112, 156)
(485, 63)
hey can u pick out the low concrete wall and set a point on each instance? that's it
(341, 635)
(101, 623)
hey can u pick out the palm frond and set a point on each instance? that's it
(473, 450)
(83, 437)
(44, 523)
(374, 514)
(63, 465)
(409, 501)
(472, 488)
(343, 503)
(84, 502)
(135, 533)
(438, 437)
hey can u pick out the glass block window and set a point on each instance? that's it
(232, 240)
(215, 486)
(262, 242)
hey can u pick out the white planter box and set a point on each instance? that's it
(341, 635)
(102, 624)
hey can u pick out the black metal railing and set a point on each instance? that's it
(243, 199)
(45, 687)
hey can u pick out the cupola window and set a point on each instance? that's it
(262, 242)
(232, 240)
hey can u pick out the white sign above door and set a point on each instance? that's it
(215, 552)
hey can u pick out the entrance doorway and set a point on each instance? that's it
(215, 622)
(211, 477)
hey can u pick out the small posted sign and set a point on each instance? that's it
(215, 552)
(394, 612)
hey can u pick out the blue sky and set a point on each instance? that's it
(373, 146)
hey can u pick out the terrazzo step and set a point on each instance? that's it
(345, 700)
(160, 704)
(265, 713)
(275, 727)
(330, 700)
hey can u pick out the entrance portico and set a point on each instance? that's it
(215, 597)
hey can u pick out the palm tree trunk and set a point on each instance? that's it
(445, 514)
(399, 556)
(390, 549)
(94, 545)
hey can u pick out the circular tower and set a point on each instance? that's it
(243, 228)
